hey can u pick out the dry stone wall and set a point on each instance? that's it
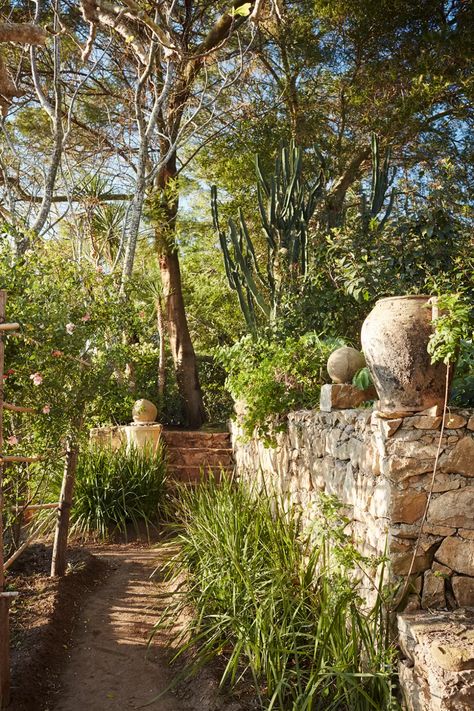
(381, 470)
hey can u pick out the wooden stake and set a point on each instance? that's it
(4, 601)
(9, 326)
(14, 458)
(36, 507)
(26, 543)
(17, 408)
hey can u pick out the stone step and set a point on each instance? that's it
(193, 475)
(196, 439)
(200, 457)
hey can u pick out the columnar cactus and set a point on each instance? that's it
(286, 203)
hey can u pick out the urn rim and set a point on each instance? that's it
(425, 297)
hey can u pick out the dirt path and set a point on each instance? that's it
(110, 667)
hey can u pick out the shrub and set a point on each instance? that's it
(118, 488)
(274, 376)
(278, 604)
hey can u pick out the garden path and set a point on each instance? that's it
(110, 667)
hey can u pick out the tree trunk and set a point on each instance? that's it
(162, 357)
(58, 564)
(182, 350)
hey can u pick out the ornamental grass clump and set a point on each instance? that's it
(276, 605)
(116, 489)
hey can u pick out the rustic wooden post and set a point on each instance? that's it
(58, 563)
(4, 600)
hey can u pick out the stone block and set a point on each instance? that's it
(408, 506)
(433, 596)
(399, 468)
(442, 569)
(440, 674)
(343, 397)
(461, 459)
(454, 508)
(380, 501)
(389, 427)
(412, 450)
(445, 483)
(458, 554)
(470, 424)
(454, 421)
(438, 530)
(401, 561)
(463, 589)
(424, 422)
(415, 689)
(434, 411)
(466, 533)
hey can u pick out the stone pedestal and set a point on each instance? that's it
(343, 396)
(145, 436)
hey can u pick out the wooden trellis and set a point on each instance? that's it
(58, 565)
(5, 596)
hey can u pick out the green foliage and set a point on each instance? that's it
(462, 392)
(279, 603)
(271, 377)
(453, 324)
(217, 401)
(406, 256)
(117, 488)
(286, 203)
(64, 362)
(362, 379)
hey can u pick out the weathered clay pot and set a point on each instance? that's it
(394, 339)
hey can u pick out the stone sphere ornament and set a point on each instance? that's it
(344, 363)
(144, 411)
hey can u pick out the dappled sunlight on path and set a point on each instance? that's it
(111, 667)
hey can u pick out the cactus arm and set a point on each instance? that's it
(244, 268)
(260, 177)
(250, 248)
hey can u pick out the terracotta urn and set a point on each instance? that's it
(144, 411)
(344, 363)
(394, 339)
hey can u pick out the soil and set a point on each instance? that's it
(81, 643)
(43, 620)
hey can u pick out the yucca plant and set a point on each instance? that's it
(115, 489)
(279, 605)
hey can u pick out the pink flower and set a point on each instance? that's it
(86, 317)
(37, 378)
(70, 328)
(46, 409)
(99, 269)
(12, 439)
(57, 354)
(141, 314)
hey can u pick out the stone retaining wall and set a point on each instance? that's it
(381, 471)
